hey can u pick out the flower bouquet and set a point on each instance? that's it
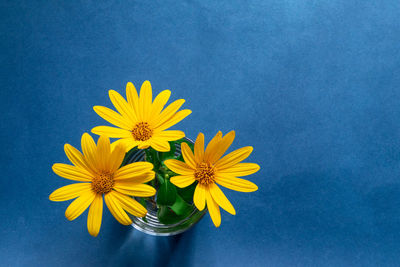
(153, 178)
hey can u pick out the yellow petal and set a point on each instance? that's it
(133, 98)
(130, 205)
(79, 205)
(168, 112)
(213, 209)
(76, 157)
(138, 190)
(116, 210)
(103, 152)
(178, 167)
(175, 119)
(182, 180)
(89, 151)
(143, 145)
(210, 147)
(221, 147)
(199, 197)
(112, 132)
(116, 158)
(128, 143)
(199, 148)
(123, 107)
(95, 215)
(113, 117)
(69, 191)
(236, 184)
(188, 155)
(132, 170)
(137, 179)
(160, 145)
(159, 103)
(233, 157)
(145, 100)
(170, 135)
(221, 199)
(72, 172)
(240, 169)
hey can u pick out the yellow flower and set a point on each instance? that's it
(141, 121)
(98, 170)
(208, 168)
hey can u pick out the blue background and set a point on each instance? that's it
(314, 86)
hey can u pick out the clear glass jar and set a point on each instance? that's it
(150, 224)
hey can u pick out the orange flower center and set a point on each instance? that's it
(142, 131)
(205, 173)
(103, 183)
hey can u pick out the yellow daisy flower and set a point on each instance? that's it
(98, 170)
(141, 121)
(209, 169)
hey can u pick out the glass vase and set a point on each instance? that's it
(150, 224)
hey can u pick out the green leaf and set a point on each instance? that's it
(166, 194)
(181, 208)
(167, 216)
(187, 192)
(152, 156)
(170, 154)
(149, 155)
(160, 178)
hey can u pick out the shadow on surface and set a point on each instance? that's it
(309, 216)
(134, 248)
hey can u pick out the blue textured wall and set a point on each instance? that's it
(314, 86)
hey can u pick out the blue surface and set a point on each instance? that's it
(314, 86)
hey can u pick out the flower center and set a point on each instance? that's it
(204, 173)
(142, 131)
(103, 183)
